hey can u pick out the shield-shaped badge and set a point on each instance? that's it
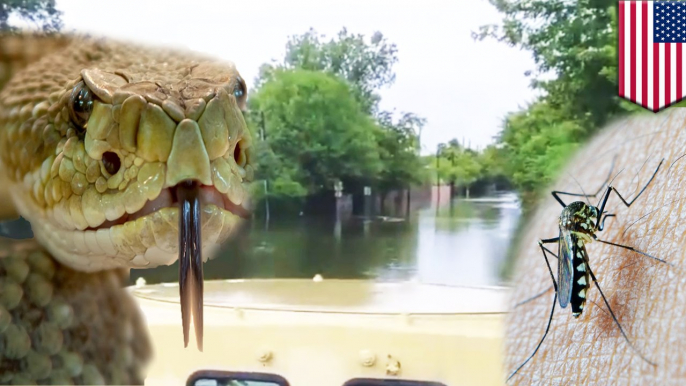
(651, 54)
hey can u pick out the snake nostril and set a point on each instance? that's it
(111, 162)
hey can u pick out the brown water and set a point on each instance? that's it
(460, 244)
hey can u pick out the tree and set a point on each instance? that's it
(365, 65)
(573, 44)
(317, 133)
(399, 153)
(493, 162)
(537, 141)
(572, 40)
(458, 165)
(42, 13)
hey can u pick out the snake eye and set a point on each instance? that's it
(239, 88)
(80, 106)
(240, 92)
(111, 162)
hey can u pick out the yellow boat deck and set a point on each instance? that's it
(321, 333)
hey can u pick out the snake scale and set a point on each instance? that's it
(120, 156)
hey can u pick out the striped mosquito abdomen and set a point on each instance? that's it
(581, 280)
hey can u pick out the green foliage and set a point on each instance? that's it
(493, 162)
(398, 149)
(41, 13)
(457, 164)
(575, 41)
(316, 131)
(463, 166)
(322, 121)
(573, 44)
(366, 66)
(537, 141)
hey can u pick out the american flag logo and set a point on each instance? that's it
(651, 54)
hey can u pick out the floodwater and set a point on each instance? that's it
(463, 243)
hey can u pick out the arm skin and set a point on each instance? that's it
(648, 297)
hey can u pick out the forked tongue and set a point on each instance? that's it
(190, 259)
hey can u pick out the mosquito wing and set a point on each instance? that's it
(565, 271)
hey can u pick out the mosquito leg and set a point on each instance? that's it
(628, 204)
(552, 310)
(599, 307)
(602, 223)
(550, 321)
(543, 249)
(555, 193)
(549, 241)
(607, 304)
(534, 297)
(547, 289)
(551, 252)
(635, 250)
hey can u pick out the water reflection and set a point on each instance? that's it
(459, 244)
(465, 244)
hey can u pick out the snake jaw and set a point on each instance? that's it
(168, 198)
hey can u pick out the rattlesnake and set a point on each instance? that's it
(102, 145)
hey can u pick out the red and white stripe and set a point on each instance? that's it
(650, 73)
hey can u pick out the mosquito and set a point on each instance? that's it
(578, 225)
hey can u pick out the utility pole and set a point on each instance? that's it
(438, 179)
(409, 186)
(419, 140)
(263, 137)
(452, 180)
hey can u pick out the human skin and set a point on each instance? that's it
(647, 297)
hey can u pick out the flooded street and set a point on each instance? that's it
(460, 244)
(466, 245)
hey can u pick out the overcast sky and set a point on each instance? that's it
(462, 87)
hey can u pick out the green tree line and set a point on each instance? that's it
(319, 105)
(318, 111)
(462, 166)
(574, 47)
(573, 44)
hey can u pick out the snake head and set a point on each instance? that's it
(129, 157)
(107, 195)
